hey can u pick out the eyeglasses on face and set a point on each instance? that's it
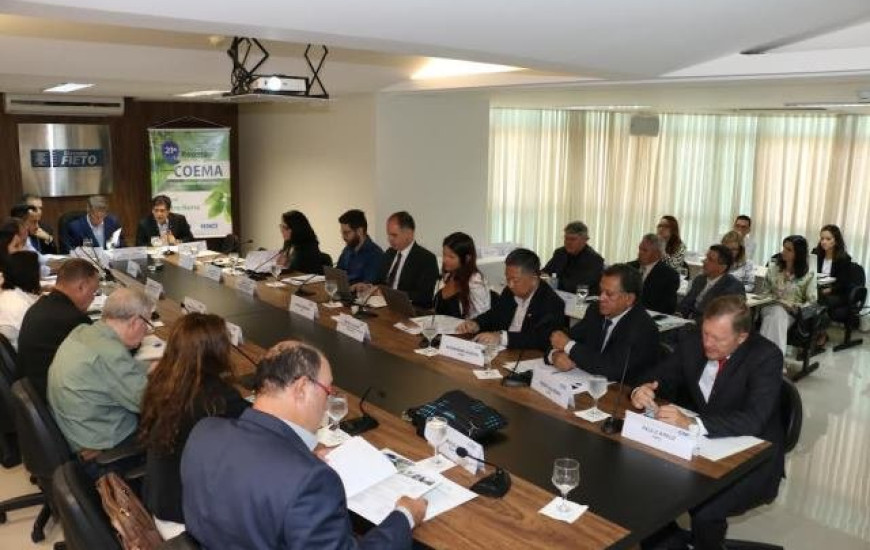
(328, 389)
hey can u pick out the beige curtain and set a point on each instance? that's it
(792, 174)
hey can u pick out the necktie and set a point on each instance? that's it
(721, 365)
(606, 327)
(391, 278)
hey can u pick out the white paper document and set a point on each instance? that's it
(305, 279)
(261, 261)
(151, 349)
(445, 323)
(723, 447)
(359, 465)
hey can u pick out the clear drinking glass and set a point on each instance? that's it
(490, 351)
(331, 288)
(597, 389)
(566, 476)
(87, 243)
(276, 271)
(435, 433)
(684, 273)
(234, 259)
(430, 331)
(336, 408)
(582, 293)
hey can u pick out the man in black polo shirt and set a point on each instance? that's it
(576, 263)
(49, 321)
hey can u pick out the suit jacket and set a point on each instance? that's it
(148, 229)
(584, 268)
(45, 326)
(251, 483)
(418, 276)
(841, 269)
(636, 331)
(725, 286)
(79, 229)
(306, 258)
(744, 399)
(546, 313)
(659, 288)
(41, 246)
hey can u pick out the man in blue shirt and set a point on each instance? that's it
(361, 258)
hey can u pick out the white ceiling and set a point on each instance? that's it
(160, 48)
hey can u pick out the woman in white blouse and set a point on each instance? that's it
(743, 269)
(20, 290)
(463, 291)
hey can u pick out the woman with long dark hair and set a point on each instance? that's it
(188, 384)
(463, 291)
(301, 250)
(668, 229)
(793, 285)
(832, 260)
(20, 291)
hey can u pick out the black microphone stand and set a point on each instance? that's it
(495, 485)
(362, 423)
(612, 424)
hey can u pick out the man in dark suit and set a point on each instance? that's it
(48, 322)
(576, 263)
(713, 282)
(97, 225)
(660, 281)
(732, 379)
(256, 483)
(171, 228)
(42, 239)
(526, 312)
(615, 331)
(406, 265)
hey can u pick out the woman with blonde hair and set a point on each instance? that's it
(743, 269)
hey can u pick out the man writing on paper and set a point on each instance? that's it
(526, 312)
(732, 378)
(615, 331)
(272, 491)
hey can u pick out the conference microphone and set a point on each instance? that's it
(495, 485)
(436, 341)
(612, 424)
(302, 292)
(362, 312)
(254, 273)
(362, 423)
(518, 379)
(107, 275)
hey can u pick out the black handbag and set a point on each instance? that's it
(471, 417)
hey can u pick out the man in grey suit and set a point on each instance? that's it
(713, 282)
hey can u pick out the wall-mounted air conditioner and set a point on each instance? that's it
(65, 106)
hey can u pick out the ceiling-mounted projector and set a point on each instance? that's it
(248, 86)
(279, 83)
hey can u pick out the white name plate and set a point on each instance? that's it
(192, 247)
(130, 253)
(212, 272)
(353, 328)
(304, 307)
(186, 261)
(235, 333)
(462, 350)
(153, 289)
(193, 306)
(246, 285)
(658, 435)
(456, 439)
(133, 269)
(547, 382)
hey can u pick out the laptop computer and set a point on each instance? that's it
(340, 278)
(398, 301)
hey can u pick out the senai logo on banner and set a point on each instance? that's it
(192, 167)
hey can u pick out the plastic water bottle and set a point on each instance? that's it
(554, 281)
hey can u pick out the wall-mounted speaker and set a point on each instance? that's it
(643, 125)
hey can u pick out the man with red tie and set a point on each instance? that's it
(732, 379)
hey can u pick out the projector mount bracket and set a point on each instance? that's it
(249, 54)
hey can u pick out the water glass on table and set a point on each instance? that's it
(566, 476)
(435, 433)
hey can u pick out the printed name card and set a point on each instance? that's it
(304, 307)
(193, 306)
(153, 289)
(455, 439)
(212, 272)
(235, 333)
(192, 247)
(462, 350)
(659, 435)
(129, 253)
(246, 285)
(186, 261)
(547, 382)
(353, 328)
(133, 269)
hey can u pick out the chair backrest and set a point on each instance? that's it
(8, 360)
(77, 503)
(858, 293)
(43, 447)
(9, 453)
(856, 274)
(325, 259)
(791, 412)
(62, 222)
(230, 243)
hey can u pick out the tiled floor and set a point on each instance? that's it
(823, 504)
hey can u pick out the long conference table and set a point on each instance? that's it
(631, 490)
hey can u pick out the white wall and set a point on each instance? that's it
(432, 160)
(317, 158)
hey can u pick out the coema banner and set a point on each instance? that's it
(192, 167)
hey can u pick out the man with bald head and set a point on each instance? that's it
(284, 496)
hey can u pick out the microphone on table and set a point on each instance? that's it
(95, 260)
(253, 273)
(612, 424)
(300, 291)
(495, 485)
(518, 379)
(362, 423)
(362, 312)
(423, 342)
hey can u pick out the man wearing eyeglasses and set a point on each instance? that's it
(713, 282)
(255, 482)
(95, 384)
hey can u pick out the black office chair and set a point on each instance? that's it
(804, 333)
(62, 232)
(325, 259)
(77, 503)
(850, 313)
(792, 416)
(231, 243)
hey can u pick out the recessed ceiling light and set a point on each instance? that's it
(202, 93)
(437, 67)
(605, 107)
(67, 87)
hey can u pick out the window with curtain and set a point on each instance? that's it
(791, 174)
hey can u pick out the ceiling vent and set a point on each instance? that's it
(64, 106)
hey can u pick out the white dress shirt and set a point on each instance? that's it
(519, 316)
(99, 232)
(14, 303)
